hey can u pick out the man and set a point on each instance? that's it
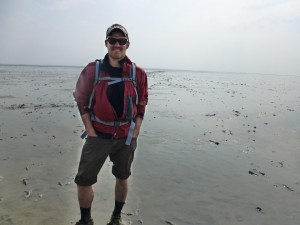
(112, 112)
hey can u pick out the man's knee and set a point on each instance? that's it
(84, 188)
(122, 181)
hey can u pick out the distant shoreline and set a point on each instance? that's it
(31, 65)
(159, 70)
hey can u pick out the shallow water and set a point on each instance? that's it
(215, 148)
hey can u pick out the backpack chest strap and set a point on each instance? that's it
(117, 124)
(114, 80)
(108, 123)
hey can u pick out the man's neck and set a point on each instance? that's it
(114, 62)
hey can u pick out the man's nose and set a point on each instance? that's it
(117, 44)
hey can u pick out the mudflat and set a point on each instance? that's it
(215, 148)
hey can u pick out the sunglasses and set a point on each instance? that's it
(112, 41)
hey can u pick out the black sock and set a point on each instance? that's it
(85, 214)
(118, 208)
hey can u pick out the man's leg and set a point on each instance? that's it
(93, 156)
(85, 198)
(121, 190)
(122, 157)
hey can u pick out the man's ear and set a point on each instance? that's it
(127, 45)
(105, 42)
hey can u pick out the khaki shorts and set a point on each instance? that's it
(94, 153)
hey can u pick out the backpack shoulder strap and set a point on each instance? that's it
(133, 77)
(133, 73)
(96, 79)
(98, 70)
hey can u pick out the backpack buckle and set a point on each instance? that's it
(117, 123)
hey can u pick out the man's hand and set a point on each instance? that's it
(138, 124)
(88, 125)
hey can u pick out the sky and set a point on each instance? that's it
(248, 36)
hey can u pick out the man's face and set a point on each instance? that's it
(116, 50)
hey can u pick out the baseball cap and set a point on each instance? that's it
(116, 26)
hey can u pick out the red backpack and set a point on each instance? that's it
(129, 108)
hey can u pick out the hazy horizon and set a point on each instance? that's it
(158, 69)
(226, 36)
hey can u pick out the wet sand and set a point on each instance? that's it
(215, 149)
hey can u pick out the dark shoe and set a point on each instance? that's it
(115, 220)
(90, 222)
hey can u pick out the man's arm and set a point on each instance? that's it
(84, 87)
(142, 89)
(88, 125)
(138, 124)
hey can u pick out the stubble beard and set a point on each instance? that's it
(117, 55)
